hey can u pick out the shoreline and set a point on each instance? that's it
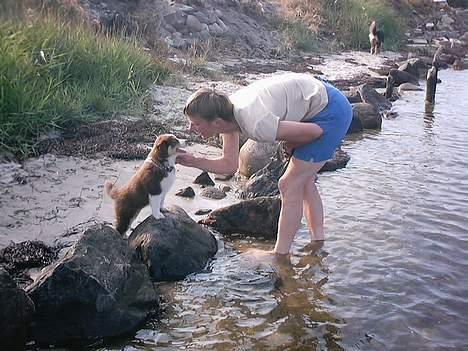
(45, 196)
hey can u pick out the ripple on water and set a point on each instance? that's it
(392, 274)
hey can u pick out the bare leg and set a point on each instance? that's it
(313, 210)
(292, 189)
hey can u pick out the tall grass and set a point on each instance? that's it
(350, 20)
(347, 21)
(54, 75)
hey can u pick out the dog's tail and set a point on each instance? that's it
(109, 186)
(373, 28)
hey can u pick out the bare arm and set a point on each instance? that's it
(298, 133)
(227, 164)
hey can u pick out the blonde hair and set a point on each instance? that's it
(209, 104)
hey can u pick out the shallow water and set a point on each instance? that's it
(392, 274)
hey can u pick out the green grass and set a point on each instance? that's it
(295, 35)
(350, 20)
(55, 75)
(344, 23)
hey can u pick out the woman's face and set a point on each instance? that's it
(202, 127)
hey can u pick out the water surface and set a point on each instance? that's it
(392, 274)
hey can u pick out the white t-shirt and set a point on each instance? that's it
(260, 106)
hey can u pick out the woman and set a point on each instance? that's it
(310, 116)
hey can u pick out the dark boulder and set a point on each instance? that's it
(414, 66)
(371, 96)
(255, 217)
(265, 181)
(368, 115)
(16, 310)
(174, 246)
(352, 95)
(340, 160)
(355, 126)
(98, 289)
(400, 77)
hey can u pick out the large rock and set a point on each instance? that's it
(413, 66)
(174, 246)
(355, 126)
(371, 96)
(368, 115)
(400, 77)
(16, 310)
(253, 156)
(340, 160)
(255, 217)
(352, 95)
(98, 289)
(265, 181)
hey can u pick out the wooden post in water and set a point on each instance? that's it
(431, 85)
(389, 87)
(431, 80)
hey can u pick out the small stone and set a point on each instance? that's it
(186, 192)
(202, 212)
(204, 179)
(225, 188)
(213, 193)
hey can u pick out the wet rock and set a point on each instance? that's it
(368, 115)
(186, 192)
(213, 193)
(371, 96)
(401, 77)
(265, 181)
(390, 114)
(174, 246)
(98, 289)
(253, 156)
(383, 70)
(225, 188)
(352, 95)
(255, 217)
(202, 212)
(204, 179)
(355, 126)
(413, 66)
(16, 310)
(340, 160)
(376, 82)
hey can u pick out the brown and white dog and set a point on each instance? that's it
(376, 38)
(149, 185)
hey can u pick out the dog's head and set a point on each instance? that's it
(166, 145)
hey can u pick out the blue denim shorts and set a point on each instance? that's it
(334, 120)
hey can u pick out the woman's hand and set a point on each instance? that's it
(187, 159)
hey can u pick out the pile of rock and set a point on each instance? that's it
(103, 285)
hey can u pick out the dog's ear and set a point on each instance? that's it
(161, 145)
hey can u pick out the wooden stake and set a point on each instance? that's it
(431, 85)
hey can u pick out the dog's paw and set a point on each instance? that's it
(158, 215)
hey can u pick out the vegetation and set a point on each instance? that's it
(347, 21)
(54, 74)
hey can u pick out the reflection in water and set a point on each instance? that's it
(392, 273)
(429, 116)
